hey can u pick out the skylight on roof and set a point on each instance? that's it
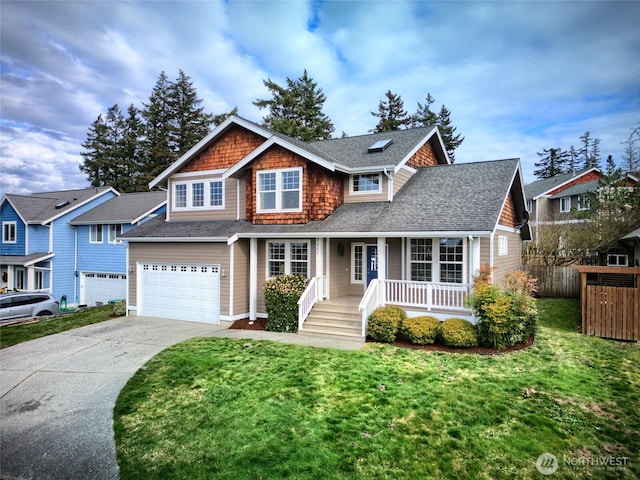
(380, 145)
(62, 204)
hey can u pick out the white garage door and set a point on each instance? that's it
(179, 291)
(102, 287)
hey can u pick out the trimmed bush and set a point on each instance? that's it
(281, 295)
(457, 332)
(384, 323)
(120, 308)
(421, 330)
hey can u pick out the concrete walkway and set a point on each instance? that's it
(57, 393)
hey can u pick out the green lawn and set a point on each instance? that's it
(13, 334)
(239, 409)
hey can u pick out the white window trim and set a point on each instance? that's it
(567, 204)
(116, 225)
(91, 230)
(206, 194)
(353, 262)
(503, 245)
(433, 260)
(618, 256)
(584, 205)
(15, 232)
(278, 191)
(287, 256)
(365, 192)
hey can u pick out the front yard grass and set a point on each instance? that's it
(240, 409)
(14, 334)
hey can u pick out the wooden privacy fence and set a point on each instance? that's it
(610, 301)
(555, 281)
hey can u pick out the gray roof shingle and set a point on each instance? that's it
(577, 189)
(126, 208)
(539, 187)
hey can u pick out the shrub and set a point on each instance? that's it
(421, 330)
(507, 313)
(384, 323)
(457, 332)
(120, 308)
(281, 295)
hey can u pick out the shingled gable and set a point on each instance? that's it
(128, 208)
(552, 185)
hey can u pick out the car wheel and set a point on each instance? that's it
(43, 313)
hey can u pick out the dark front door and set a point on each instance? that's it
(372, 263)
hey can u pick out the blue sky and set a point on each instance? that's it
(518, 77)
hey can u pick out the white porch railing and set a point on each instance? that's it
(316, 290)
(406, 293)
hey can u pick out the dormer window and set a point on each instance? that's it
(366, 183)
(198, 195)
(279, 190)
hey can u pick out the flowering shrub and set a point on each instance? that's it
(120, 308)
(281, 295)
(507, 313)
(421, 330)
(384, 323)
(457, 332)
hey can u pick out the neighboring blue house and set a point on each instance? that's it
(41, 250)
(102, 257)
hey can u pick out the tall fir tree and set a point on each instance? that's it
(133, 151)
(424, 116)
(631, 152)
(296, 110)
(448, 133)
(391, 114)
(572, 160)
(221, 117)
(590, 151)
(552, 162)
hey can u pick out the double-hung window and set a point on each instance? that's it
(421, 259)
(95, 234)
(584, 202)
(451, 260)
(366, 183)
(9, 232)
(198, 195)
(565, 204)
(288, 257)
(115, 230)
(279, 190)
(503, 245)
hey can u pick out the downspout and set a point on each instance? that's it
(237, 199)
(389, 185)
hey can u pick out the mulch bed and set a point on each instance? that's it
(260, 324)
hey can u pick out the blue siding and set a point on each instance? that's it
(38, 239)
(101, 257)
(65, 281)
(8, 214)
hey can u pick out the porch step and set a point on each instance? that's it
(338, 318)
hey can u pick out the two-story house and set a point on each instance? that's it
(64, 242)
(369, 220)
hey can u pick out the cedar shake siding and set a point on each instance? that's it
(322, 191)
(424, 157)
(236, 144)
(508, 214)
(587, 177)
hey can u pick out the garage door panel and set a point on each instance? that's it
(102, 287)
(182, 292)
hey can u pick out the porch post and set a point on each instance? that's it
(327, 266)
(382, 270)
(320, 268)
(31, 277)
(253, 278)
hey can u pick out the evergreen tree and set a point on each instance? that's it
(552, 162)
(572, 160)
(631, 153)
(590, 151)
(296, 110)
(133, 152)
(447, 131)
(391, 113)
(424, 117)
(187, 117)
(221, 117)
(95, 153)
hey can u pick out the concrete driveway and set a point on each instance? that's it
(57, 395)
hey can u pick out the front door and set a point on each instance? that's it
(372, 263)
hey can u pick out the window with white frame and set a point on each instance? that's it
(529, 205)
(366, 183)
(39, 280)
(565, 204)
(20, 277)
(279, 190)
(451, 260)
(95, 234)
(9, 232)
(421, 259)
(115, 230)
(198, 194)
(617, 260)
(288, 257)
(503, 245)
(584, 202)
(357, 263)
